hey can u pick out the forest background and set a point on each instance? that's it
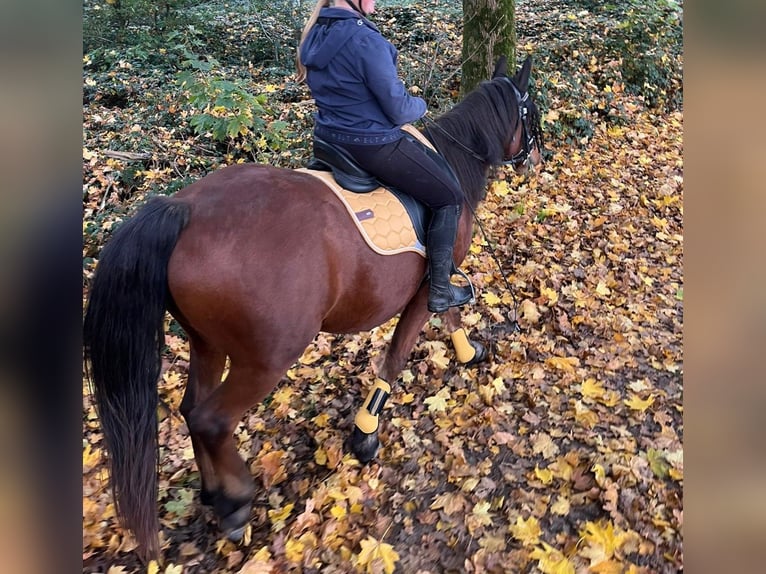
(564, 452)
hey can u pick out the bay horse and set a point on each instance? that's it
(253, 261)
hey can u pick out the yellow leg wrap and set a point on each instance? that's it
(367, 417)
(463, 349)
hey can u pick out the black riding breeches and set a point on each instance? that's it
(408, 166)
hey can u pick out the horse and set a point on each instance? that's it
(253, 261)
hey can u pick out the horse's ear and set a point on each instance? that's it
(522, 76)
(501, 68)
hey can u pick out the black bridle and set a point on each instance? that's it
(529, 132)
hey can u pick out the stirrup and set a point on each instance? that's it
(456, 271)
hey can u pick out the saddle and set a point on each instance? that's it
(351, 176)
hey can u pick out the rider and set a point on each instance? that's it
(352, 74)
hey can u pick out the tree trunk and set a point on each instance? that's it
(489, 31)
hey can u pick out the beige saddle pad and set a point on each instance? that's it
(379, 215)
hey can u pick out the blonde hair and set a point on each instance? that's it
(301, 75)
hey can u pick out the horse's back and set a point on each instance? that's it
(269, 249)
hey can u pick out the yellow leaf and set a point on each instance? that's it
(283, 395)
(638, 404)
(294, 550)
(481, 512)
(599, 473)
(545, 475)
(116, 570)
(560, 506)
(438, 402)
(338, 511)
(500, 188)
(407, 398)
(551, 561)
(153, 567)
(321, 420)
(279, 515)
(566, 364)
(491, 299)
(526, 531)
(549, 294)
(373, 551)
(90, 457)
(592, 388)
(602, 289)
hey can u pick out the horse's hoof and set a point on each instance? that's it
(233, 521)
(236, 534)
(479, 356)
(364, 446)
(207, 497)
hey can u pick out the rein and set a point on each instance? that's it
(452, 138)
(521, 157)
(515, 327)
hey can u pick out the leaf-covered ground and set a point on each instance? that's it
(563, 453)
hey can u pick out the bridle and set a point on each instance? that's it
(528, 133)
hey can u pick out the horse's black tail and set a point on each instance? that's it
(123, 340)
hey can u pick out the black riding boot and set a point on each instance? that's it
(440, 242)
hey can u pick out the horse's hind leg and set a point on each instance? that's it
(205, 371)
(213, 422)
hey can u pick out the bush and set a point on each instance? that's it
(648, 42)
(225, 108)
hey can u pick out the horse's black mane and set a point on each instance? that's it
(483, 122)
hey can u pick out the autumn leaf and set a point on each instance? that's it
(491, 299)
(438, 354)
(260, 563)
(639, 404)
(592, 388)
(438, 402)
(657, 463)
(450, 502)
(545, 475)
(551, 561)
(273, 470)
(544, 445)
(566, 364)
(279, 515)
(526, 531)
(373, 551)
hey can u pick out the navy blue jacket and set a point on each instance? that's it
(351, 72)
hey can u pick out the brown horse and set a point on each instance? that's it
(253, 261)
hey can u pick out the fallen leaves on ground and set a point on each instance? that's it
(561, 454)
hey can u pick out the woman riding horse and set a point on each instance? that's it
(362, 104)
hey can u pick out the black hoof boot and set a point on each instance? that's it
(364, 446)
(481, 354)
